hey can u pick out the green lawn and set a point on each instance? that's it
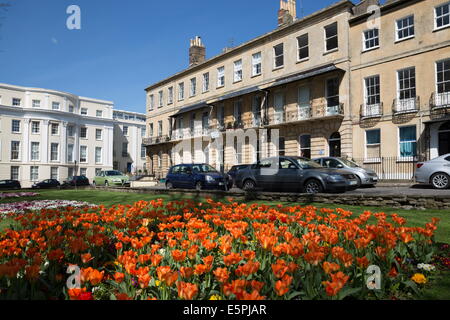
(439, 289)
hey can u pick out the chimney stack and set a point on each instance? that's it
(197, 52)
(287, 13)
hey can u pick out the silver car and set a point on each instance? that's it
(435, 172)
(365, 176)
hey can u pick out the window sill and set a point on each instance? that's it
(234, 82)
(220, 87)
(441, 28)
(278, 68)
(303, 60)
(331, 51)
(404, 39)
(256, 75)
(370, 49)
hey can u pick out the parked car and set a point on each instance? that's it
(234, 170)
(294, 174)
(46, 184)
(435, 172)
(10, 184)
(365, 176)
(76, 181)
(111, 178)
(198, 176)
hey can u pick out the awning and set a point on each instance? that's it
(237, 93)
(190, 108)
(305, 75)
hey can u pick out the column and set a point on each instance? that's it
(27, 103)
(45, 148)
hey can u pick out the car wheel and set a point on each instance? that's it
(358, 182)
(198, 186)
(169, 186)
(249, 185)
(313, 186)
(440, 180)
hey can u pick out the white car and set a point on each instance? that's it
(435, 172)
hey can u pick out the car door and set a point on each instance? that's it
(185, 177)
(265, 173)
(288, 176)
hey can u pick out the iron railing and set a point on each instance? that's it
(440, 100)
(410, 105)
(371, 110)
(391, 168)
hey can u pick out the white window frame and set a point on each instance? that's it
(436, 17)
(96, 134)
(170, 95)
(81, 130)
(33, 127)
(300, 48)
(36, 103)
(366, 87)
(373, 38)
(205, 87)
(126, 131)
(220, 77)
(193, 87)
(57, 152)
(19, 151)
(275, 56)
(397, 39)
(237, 68)
(54, 103)
(96, 155)
(256, 64)
(99, 113)
(152, 101)
(436, 77)
(143, 152)
(11, 173)
(70, 152)
(57, 173)
(409, 158)
(52, 125)
(32, 177)
(86, 158)
(84, 111)
(12, 126)
(16, 100)
(327, 39)
(35, 143)
(160, 99)
(409, 88)
(366, 144)
(181, 91)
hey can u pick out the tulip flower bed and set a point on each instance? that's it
(18, 195)
(15, 208)
(189, 250)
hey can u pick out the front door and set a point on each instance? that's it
(129, 167)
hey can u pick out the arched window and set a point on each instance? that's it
(335, 144)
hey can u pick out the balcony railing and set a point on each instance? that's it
(440, 100)
(188, 133)
(155, 140)
(409, 105)
(306, 113)
(371, 110)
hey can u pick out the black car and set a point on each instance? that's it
(197, 176)
(294, 174)
(76, 181)
(10, 185)
(234, 170)
(46, 184)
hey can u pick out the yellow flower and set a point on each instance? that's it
(157, 283)
(216, 297)
(419, 278)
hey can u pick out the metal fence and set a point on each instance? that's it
(391, 168)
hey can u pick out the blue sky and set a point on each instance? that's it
(123, 46)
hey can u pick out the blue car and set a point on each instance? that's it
(197, 176)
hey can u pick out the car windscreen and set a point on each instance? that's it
(349, 163)
(308, 164)
(113, 173)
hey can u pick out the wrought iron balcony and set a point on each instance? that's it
(306, 113)
(155, 140)
(371, 110)
(401, 106)
(440, 100)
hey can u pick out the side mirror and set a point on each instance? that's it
(340, 166)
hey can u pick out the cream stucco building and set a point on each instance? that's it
(48, 134)
(327, 82)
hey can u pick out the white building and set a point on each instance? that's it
(52, 134)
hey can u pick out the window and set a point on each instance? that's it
(70, 153)
(98, 134)
(54, 152)
(238, 71)
(205, 82)
(55, 105)
(35, 151)
(256, 64)
(70, 172)
(84, 111)
(98, 154)
(331, 37)
(16, 102)
(303, 47)
(54, 173)
(160, 128)
(125, 149)
(170, 95)
(34, 173)
(83, 172)
(83, 132)
(35, 127)
(83, 154)
(373, 144)
(181, 91)
(405, 28)
(15, 126)
(193, 87)
(71, 108)
(278, 53)
(36, 103)
(407, 84)
(305, 146)
(332, 94)
(99, 113)
(151, 129)
(408, 141)
(443, 77)
(14, 173)
(220, 77)
(15, 150)
(55, 129)
(125, 130)
(143, 151)
(371, 39)
(161, 98)
(144, 132)
(221, 115)
(372, 90)
(71, 131)
(442, 16)
(238, 112)
(152, 102)
(281, 146)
